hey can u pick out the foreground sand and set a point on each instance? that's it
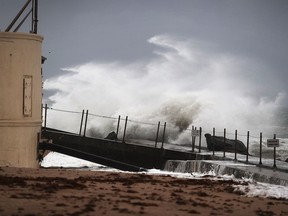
(74, 192)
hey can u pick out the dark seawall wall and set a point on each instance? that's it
(239, 170)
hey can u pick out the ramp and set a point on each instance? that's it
(90, 157)
(120, 155)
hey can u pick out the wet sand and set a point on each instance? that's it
(77, 192)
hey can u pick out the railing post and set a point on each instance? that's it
(200, 134)
(124, 133)
(235, 158)
(163, 136)
(195, 128)
(118, 125)
(260, 159)
(81, 123)
(85, 125)
(274, 165)
(213, 141)
(157, 133)
(193, 139)
(45, 116)
(224, 152)
(247, 154)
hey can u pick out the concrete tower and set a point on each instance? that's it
(20, 98)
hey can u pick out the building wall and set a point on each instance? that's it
(20, 98)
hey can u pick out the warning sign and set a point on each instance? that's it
(195, 133)
(272, 142)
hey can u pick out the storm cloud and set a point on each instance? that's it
(224, 63)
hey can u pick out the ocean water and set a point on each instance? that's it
(252, 189)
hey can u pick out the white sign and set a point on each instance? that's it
(195, 133)
(272, 142)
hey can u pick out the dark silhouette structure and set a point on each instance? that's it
(218, 144)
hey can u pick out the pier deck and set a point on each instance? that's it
(116, 154)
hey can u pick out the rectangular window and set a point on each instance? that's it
(27, 96)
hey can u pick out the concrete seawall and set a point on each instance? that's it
(239, 170)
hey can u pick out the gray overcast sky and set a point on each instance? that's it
(77, 32)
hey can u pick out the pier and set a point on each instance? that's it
(112, 153)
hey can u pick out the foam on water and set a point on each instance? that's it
(54, 159)
(258, 189)
(252, 189)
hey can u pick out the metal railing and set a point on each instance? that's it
(156, 132)
(235, 137)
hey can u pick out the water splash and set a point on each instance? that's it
(184, 83)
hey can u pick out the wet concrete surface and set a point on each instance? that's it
(240, 169)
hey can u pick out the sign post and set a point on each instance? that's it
(273, 143)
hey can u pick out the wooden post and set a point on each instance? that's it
(235, 158)
(163, 136)
(124, 133)
(193, 139)
(81, 123)
(224, 143)
(247, 154)
(260, 159)
(274, 165)
(157, 133)
(117, 129)
(213, 141)
(85, 125)
(45, 118)
(200, 134)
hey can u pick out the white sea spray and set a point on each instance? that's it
(185, 83)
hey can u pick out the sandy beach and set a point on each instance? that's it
(76, 192)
